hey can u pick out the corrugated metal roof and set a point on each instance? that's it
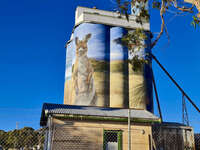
(52, 109)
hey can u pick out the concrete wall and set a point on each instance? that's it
(84, 135)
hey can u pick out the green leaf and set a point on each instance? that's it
(156, 5)
(196, 21)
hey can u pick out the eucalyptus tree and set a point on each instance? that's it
(139, 8)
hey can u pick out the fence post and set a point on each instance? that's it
(129, 129)
(49, 142)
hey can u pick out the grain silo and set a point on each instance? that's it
(119, 78)
(99, 72)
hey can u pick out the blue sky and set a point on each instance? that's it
(33, 34)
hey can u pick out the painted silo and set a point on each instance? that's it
(140, 81)
(118, 69)
(68, 73)
(97, 68)
(90, 65)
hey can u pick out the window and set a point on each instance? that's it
(112, 140)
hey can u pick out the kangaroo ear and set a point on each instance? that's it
(76, 40)
(88, 36)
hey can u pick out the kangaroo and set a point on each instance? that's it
(82, 75)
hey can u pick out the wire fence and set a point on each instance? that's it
(85, 137)
(23, 139)
(106, 137)
(197, 141)
(112, 137)
(173, 138)
(68, 137)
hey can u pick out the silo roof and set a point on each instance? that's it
(111, 18)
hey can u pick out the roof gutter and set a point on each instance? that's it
(101, 118)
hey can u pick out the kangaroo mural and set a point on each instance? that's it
(82, 75)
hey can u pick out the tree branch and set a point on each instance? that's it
(168, 37)
(183, 9)
(162, 10)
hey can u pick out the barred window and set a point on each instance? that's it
(112, 140)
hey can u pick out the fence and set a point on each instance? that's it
(23, 139)
(173, 138)
(197, 141)
(70, 137)
(96, 139)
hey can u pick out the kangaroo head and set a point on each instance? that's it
(81, 45)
